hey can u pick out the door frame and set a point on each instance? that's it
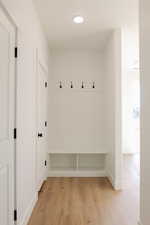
(10, 19)
(38, 61)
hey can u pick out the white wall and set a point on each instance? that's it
(145, 110)
(30, 37)
(76, 115)
(112, 108)
(96, 123)
(130, 90)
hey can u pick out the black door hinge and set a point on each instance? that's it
(16, 52)
(15, 215)
(15, 133)
(45, 123)
(45, 163)
(46, 84)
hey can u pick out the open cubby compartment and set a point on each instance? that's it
(91, 162)
(77, 165)
(62, 162)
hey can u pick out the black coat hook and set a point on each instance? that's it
(60, 84)
(71, 85)
(93, 86)
(82, 85)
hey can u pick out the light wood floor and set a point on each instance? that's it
(89, 201)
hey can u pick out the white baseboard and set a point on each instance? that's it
(110, 178)
(130, 153)
(77, 173)
(116, 185)
(41, 183)
(29, 210)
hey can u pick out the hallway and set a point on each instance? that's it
(83, 201)
(63, 66)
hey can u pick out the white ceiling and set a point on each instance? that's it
(101, 16)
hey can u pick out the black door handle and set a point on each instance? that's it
(40, 135)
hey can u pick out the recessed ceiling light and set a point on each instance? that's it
(78, 19)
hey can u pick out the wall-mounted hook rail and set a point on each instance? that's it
(90, 85)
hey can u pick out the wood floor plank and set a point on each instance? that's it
(88, 201)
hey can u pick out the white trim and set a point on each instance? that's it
(29, 210)
(42, 62)
(74, 151)
(114, 183)
(39, 61)
(110, 178)
(77, 173)
(130, 153)
(41, 183)
(9, 17)
(8, 13)
(118, 156)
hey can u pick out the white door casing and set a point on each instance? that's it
(7, 119)
(41, 123)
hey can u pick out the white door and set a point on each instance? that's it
(7, 97)
(42, 125)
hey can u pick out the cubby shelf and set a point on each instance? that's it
(63, 151)
(77, 165)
